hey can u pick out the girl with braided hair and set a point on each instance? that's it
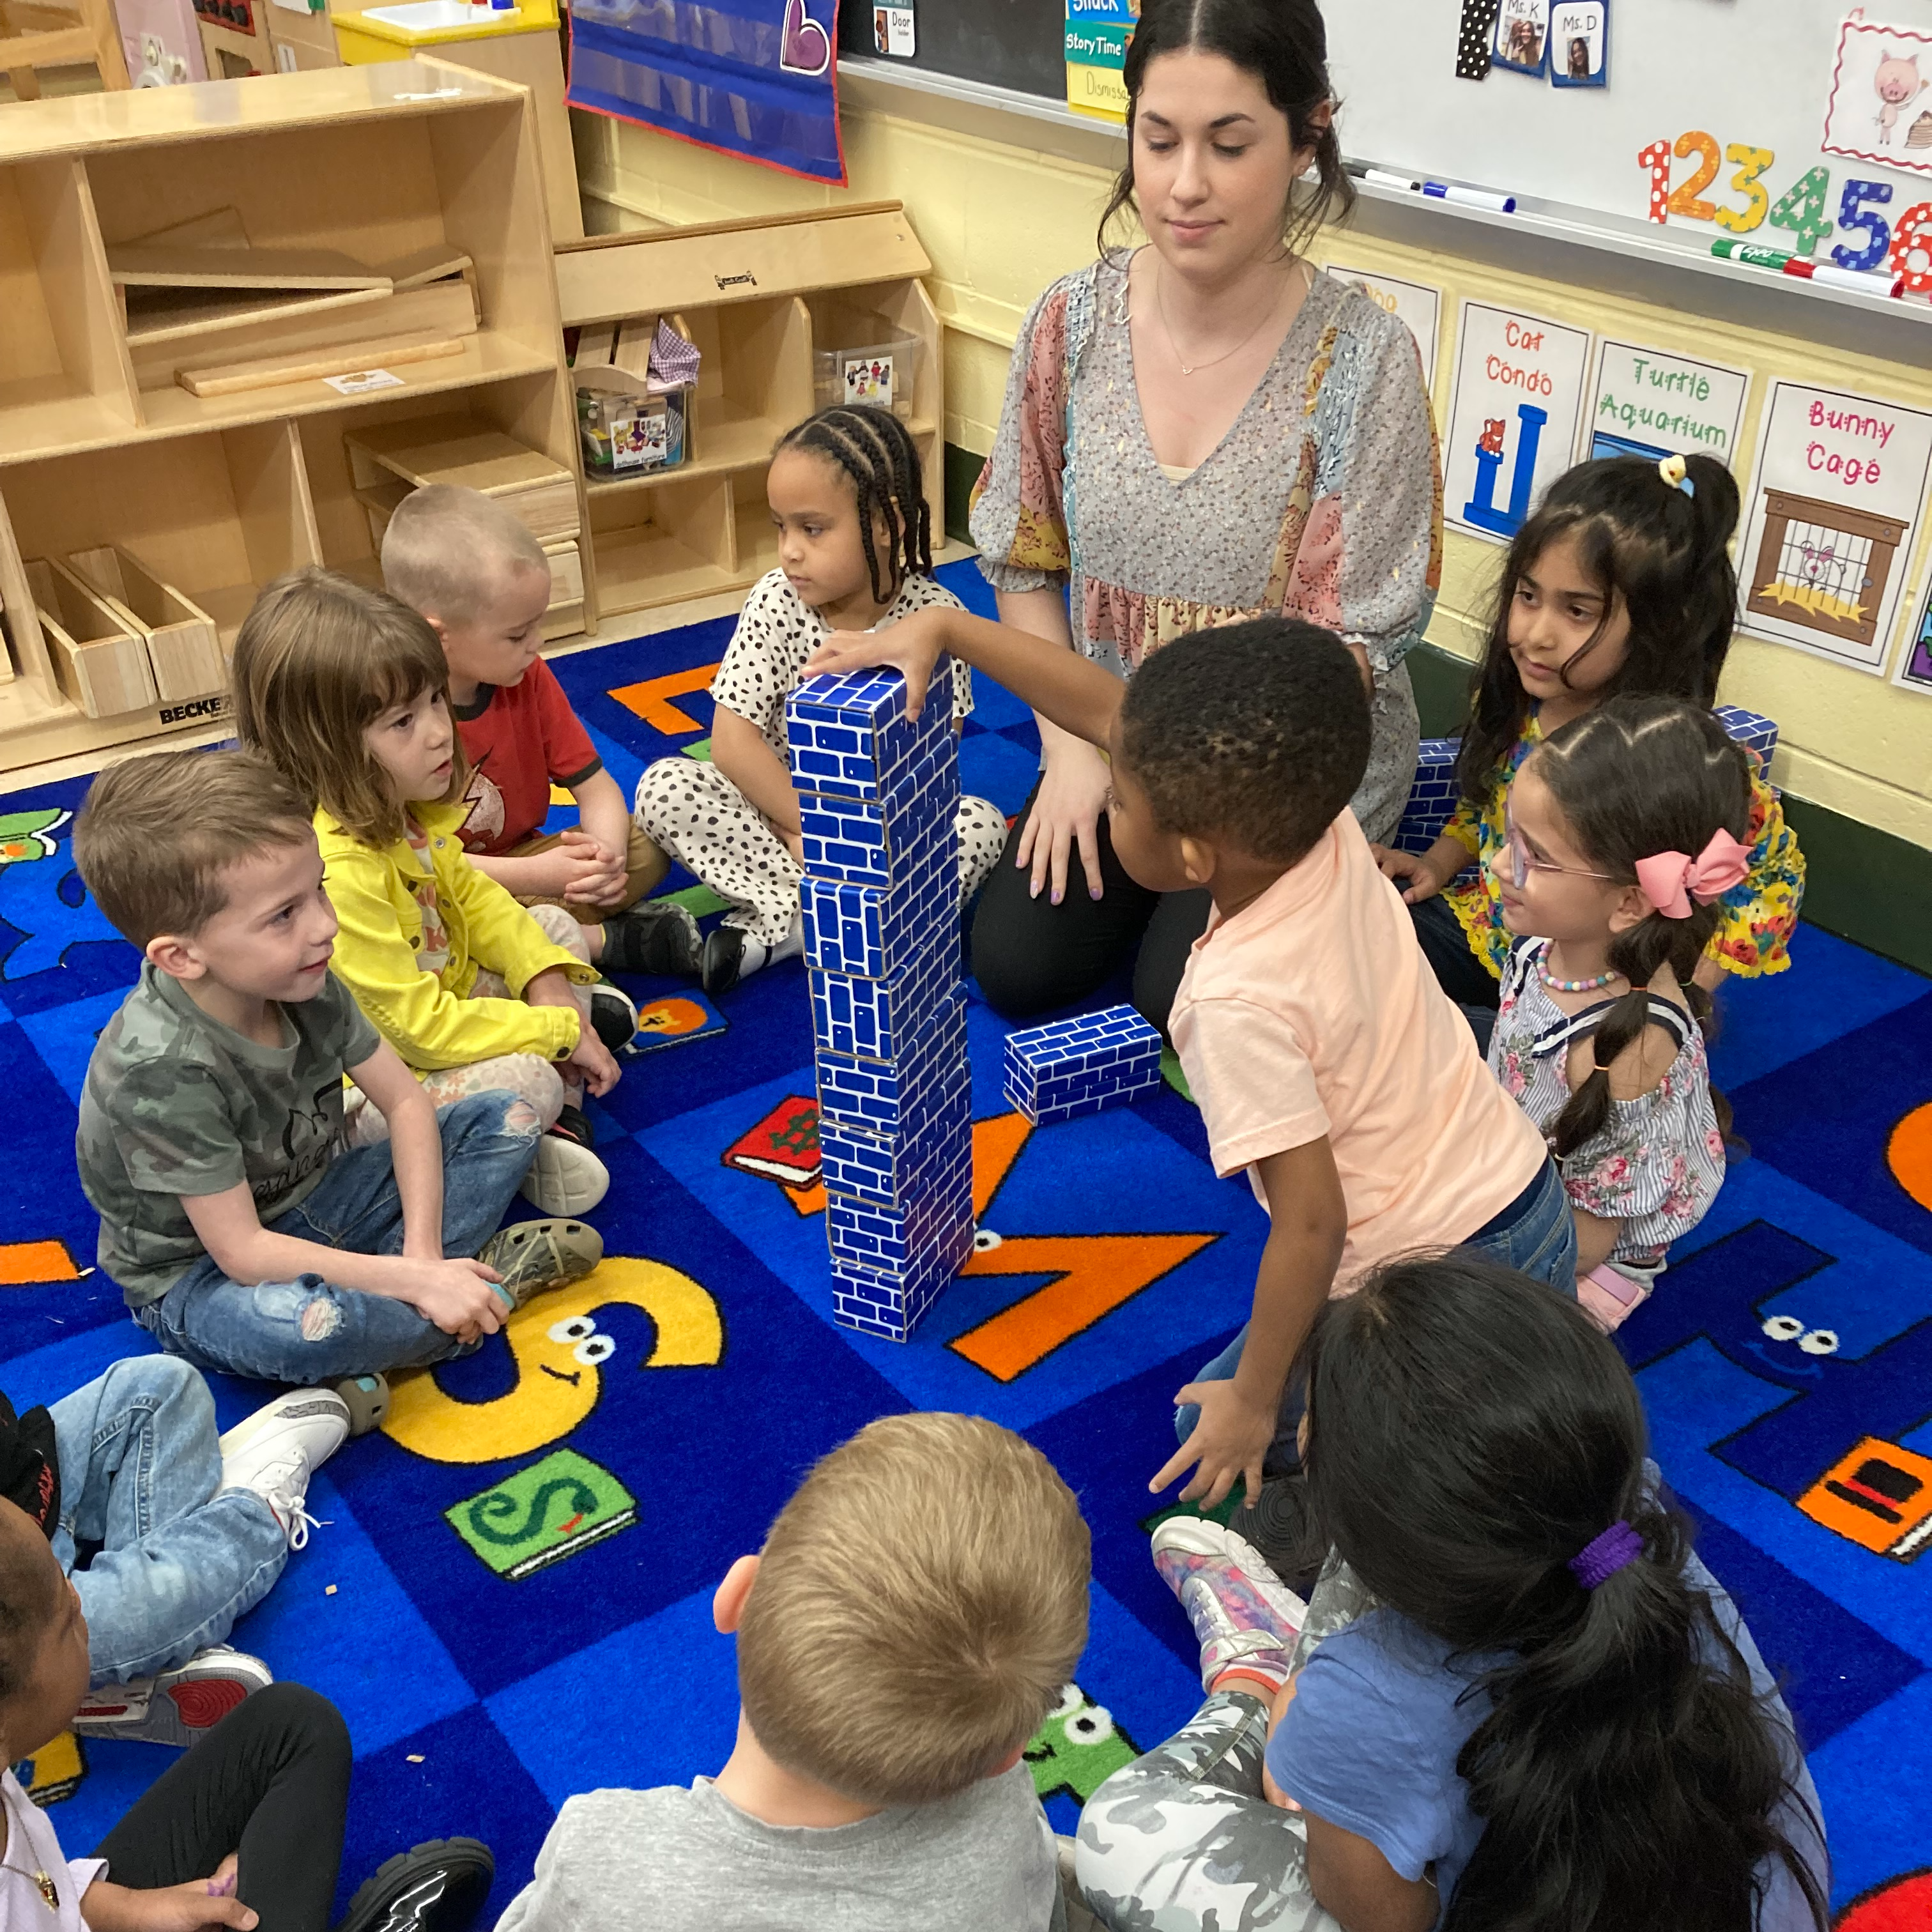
(855, 553)
(1626, 829)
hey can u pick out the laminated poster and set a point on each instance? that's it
(1522, 35)
(1513, 413)
(1580, 43)
(1652, 402)
(1834, 511)
(1880, 105)
(1414, 304)
(1915, 668)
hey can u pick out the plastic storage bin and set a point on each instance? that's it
(881, 373)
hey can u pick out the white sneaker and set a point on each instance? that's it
(566, 1178)
(178, 1705)
(278, 1449)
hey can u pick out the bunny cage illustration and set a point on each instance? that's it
(1823, 566)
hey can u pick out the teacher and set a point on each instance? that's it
(1204, 429)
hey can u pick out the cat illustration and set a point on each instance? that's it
(1898, 85)
(1490, 442)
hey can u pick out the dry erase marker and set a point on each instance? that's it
(1470, 197)
(1870, 282)
(1377, 178)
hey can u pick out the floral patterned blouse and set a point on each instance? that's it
(1324, 501)
(1656, 1163)
(1760, 911)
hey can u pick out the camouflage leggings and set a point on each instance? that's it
(1182, 1840)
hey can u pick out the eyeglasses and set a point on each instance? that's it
(1522, 862)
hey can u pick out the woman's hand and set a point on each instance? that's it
(174, 1908)
(1066, 813)
(912, 645)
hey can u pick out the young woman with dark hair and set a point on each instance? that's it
(1517, 1702)
(1199, 430)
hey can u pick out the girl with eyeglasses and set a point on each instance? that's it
(1625, 833)
(1619, 586)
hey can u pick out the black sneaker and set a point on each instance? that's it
(436, 1887)
(574, 1124)
(724, 959)
(655, 936)
(1275, 1523)
(613, 1017)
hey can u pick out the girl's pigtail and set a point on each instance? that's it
(1711, 584)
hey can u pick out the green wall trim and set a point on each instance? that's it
(1865, 884)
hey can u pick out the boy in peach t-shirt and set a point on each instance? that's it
(1324, 1058)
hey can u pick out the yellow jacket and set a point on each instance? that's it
(427, 1017)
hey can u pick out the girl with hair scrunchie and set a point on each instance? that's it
(1516, 1701)
(1625, 830)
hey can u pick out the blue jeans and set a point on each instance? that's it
(178, 1558)
(1536, 1234)
(308, 1330)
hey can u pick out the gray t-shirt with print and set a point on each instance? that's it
(676, 1861)
(176, 1103)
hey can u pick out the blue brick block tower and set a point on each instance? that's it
(878, 793)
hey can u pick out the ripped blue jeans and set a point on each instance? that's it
(309, 1331)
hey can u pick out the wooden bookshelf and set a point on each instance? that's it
(761, 299)
(142, 514)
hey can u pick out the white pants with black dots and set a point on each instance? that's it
(695, 813)
(525, 1074)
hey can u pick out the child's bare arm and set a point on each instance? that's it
(558, 873)
(1067, 689)
(739, 750)
(602, 814)
(1310, 1222)
(1350, 1876)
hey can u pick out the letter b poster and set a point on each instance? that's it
(1833, 517)
(1513, 415)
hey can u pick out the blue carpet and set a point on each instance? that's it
(1790, 1349)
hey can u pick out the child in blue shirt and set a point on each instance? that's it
(1517, 1698)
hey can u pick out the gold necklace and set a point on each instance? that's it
(1167, 329)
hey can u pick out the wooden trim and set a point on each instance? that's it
(697, 230)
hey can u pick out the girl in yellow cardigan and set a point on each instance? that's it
(347, 690)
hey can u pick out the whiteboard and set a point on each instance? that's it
(1754, 72)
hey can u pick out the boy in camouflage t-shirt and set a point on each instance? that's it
(245, 1236)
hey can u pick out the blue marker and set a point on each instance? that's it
(1471, 197)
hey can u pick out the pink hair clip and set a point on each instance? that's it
(1672, 880)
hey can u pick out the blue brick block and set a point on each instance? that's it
(876, 932)
(888, 1097)
(893, 1306)
(898, 1241)
(1068, 1067)
(881, 1019)
(849, 735)
(1432, 798)
(888, 1169)
(845, 842)
(1749, 728)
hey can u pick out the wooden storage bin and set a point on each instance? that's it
(183, 642)
(461, 450)
(564, 617)
(99, 661)
(750, 295)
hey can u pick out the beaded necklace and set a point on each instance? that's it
(1593, 985)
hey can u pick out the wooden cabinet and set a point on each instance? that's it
(145, 509)
(773, 307)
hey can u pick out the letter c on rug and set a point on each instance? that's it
(558, 1351)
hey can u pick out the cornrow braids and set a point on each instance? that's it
(877, 454)
(1635, 777)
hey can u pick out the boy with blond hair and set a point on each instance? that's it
(917, 1610)
(468, 564)
(210, 1140)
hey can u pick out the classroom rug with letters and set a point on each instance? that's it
(510, 1593)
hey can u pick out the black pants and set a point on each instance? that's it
(270, 1781)
(1030, 955)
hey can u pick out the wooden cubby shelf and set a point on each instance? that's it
(141, 515)
(764, 301)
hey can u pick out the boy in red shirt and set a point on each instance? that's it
(473, 569)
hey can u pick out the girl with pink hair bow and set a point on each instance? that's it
(1626, 829)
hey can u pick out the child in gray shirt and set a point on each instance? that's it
(917, 1608)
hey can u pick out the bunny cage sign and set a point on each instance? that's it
(751, 77)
